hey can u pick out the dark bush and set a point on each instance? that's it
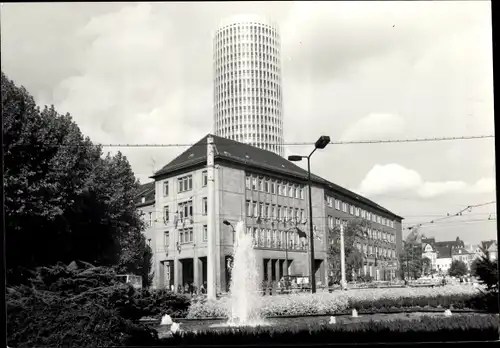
(427, 329)
(156, 303)
(45, 319)
(75, 306)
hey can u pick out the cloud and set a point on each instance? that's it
(394, 178)
(375, 126)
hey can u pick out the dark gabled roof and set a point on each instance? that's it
(459, 250)
(488, 243)
(148, 192)
(443, 251)
(247, 155)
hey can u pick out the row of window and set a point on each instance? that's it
(276, 239)
(271, 186)
(372, 233)
(184, 210)
(184, 183)
(185, 236)
(277, 212)
(376, 250)
(353, 210)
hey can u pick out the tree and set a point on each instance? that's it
(426, 265)
(411, 261)
(354, 232)
(457, 269)
(63, 201)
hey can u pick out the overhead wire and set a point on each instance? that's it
(450, 216)
(339, 142)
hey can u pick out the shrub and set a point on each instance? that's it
(156, 303)
(77, 307)
(46, 319)
(426, 329)
(458, 297)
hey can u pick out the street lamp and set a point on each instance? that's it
(227, 223)
(321, 143)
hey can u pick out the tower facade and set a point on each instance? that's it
(248, 100)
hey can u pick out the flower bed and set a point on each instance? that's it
(473, 327)
(376, 300)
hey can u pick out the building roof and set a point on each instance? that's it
(488, 244)
(250, 156)
(148, 192)
(443, 251)
(460, 251)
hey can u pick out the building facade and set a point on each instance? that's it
(268, 193)
(379, 248)
(248, 100)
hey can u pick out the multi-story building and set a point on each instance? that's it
(383, 230)
(270, 195)
(248, 100)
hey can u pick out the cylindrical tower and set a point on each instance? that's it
(248, 101)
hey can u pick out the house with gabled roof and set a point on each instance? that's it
(268, 193)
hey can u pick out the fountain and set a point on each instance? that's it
(244, 288)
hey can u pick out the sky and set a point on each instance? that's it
(141, 73)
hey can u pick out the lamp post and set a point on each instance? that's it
(227, 223)
(321, 143)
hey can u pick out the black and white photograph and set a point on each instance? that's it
(248, 173)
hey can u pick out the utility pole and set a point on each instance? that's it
(342, 258)
(211, 240)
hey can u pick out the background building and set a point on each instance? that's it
(248, 100)
(266, 191)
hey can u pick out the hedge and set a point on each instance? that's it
(426, 329)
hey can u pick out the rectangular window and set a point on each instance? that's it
(166, 239)
(186, 235)
(254, 184)
(357, 211)
(337, 221)
(337, 204)
(204, 206)
(185, 209)
(330, 221)
(290, 213)
(185, 183)
(279, 189)
(205, 233)
(255, 209)
(297, 193)
(302, 215)
(290, 191)
(351, 209)
(248, 182)
(266, 186)
(267, 212)
(275, 215)
(165, 188)
(344, 207)
(261, 185)
(273, 187)
(150, 222)
(249, 208)
(301, 192)
(368, 215)
(166, 214)
(204, 178)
